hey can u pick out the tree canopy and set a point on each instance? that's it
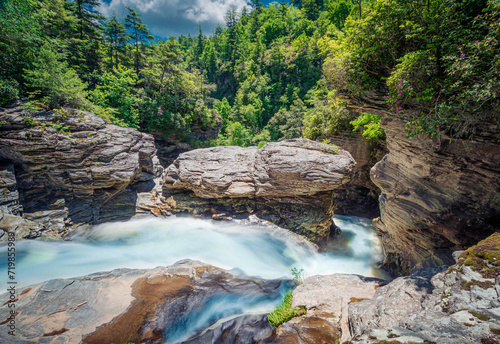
(272, 72)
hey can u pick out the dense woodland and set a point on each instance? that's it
(282, 71)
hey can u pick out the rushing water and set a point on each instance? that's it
(255, 250)
(261, 251)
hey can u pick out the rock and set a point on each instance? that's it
(71, 168)
(307, 330)
(9, 196)
(138, 306)
(458, 305)
(20, 228)
(359, 197)
(438, 195)
(245, 329)
(328, 297)
(289, 183)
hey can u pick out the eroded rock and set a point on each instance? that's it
(438, 195)
(458, 305)
(289, 183)
(138, 306)
(66, 168)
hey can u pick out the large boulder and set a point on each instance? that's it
(68, 168)
(438, 195)
(290, 183)
(134, 306)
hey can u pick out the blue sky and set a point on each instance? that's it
(174, 17)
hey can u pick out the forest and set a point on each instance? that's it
(283, 71)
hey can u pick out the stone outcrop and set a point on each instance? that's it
(124, 305)
(289, 183)
(328, 298)
(459, 305)
(438, 195)
(63, 169)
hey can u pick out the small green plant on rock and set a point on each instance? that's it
(298, 275)
(284, 311)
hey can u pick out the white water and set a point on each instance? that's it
(260, 251)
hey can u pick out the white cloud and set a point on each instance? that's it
(174, 17)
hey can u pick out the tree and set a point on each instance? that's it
(117, 91)
(139, 33)
(58, 83)
(85, 50)
(116, 36)
(338, 11)
(88, 17)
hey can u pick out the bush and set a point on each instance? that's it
(9, 91)
(371, 123)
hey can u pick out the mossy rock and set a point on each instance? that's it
(484, 257)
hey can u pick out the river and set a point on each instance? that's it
(253, 249)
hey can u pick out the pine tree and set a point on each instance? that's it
(139, 33)
(116, 36)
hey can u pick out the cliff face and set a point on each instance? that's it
(71, 168)
(438, 195)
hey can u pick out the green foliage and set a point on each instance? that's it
(284, 311)
(59, 84)
(116, 91)
(298, 275)
(329, 116)
(238, 135)
(371, 124)
(271, 73)
(9, 91)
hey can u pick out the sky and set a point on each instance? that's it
(175, 17)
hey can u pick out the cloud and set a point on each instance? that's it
(174, 17)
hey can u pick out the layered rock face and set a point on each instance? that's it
(438, 195)
(290, 183)
(459, 305)
(69, 168)
(137, 306)
(359, 197)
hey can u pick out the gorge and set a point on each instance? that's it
(58, 184)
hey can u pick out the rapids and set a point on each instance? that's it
(255, 250)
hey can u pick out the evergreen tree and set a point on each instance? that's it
(139, 34)
(116, 36)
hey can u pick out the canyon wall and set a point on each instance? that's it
(61, 170)
(438, 195)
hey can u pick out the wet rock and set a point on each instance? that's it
(245, 329)
(138, 306)
(289, 183)
(438, 195)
